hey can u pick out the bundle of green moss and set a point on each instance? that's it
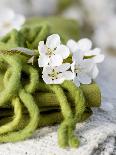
(26, 102)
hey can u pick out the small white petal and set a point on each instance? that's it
(58, 81)
(72, 45)
(47, 70)
(77, 57)
(63, 67)
(95, 72)
(53, 41)
(42, 48)
(76, 81)
(96, 51)
(47, 79)
(63, 51)
(43, 61)
(68, 75)
(88, 53)
(45, 74)
(84, 44)
(84, 78)
(87, 65)
(98, 58)
(56, 60)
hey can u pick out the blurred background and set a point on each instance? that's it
(97, 21)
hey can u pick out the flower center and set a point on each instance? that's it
(54, 74)
(49, 52)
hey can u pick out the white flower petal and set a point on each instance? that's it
(98, 58)
(96, 51)
(63, 67)
(77, 57)
(42, 48)
(95, 72)
(87, 65)
(45, 74)
(84, 78)
(58, 81)
(63, 51)
(43, 61)
(47, 70)
(47, 79)
(84, 44)
(56, 60)
(76, 81)
(53, 41)
(68, 75)
(72, 45)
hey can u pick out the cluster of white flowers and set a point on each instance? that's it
(83, 67)
(51, 59)
(10, 20)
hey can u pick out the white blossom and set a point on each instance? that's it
(84, 46)
(53, 52)
(57, 75)
(10, 20)
(81, 69)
